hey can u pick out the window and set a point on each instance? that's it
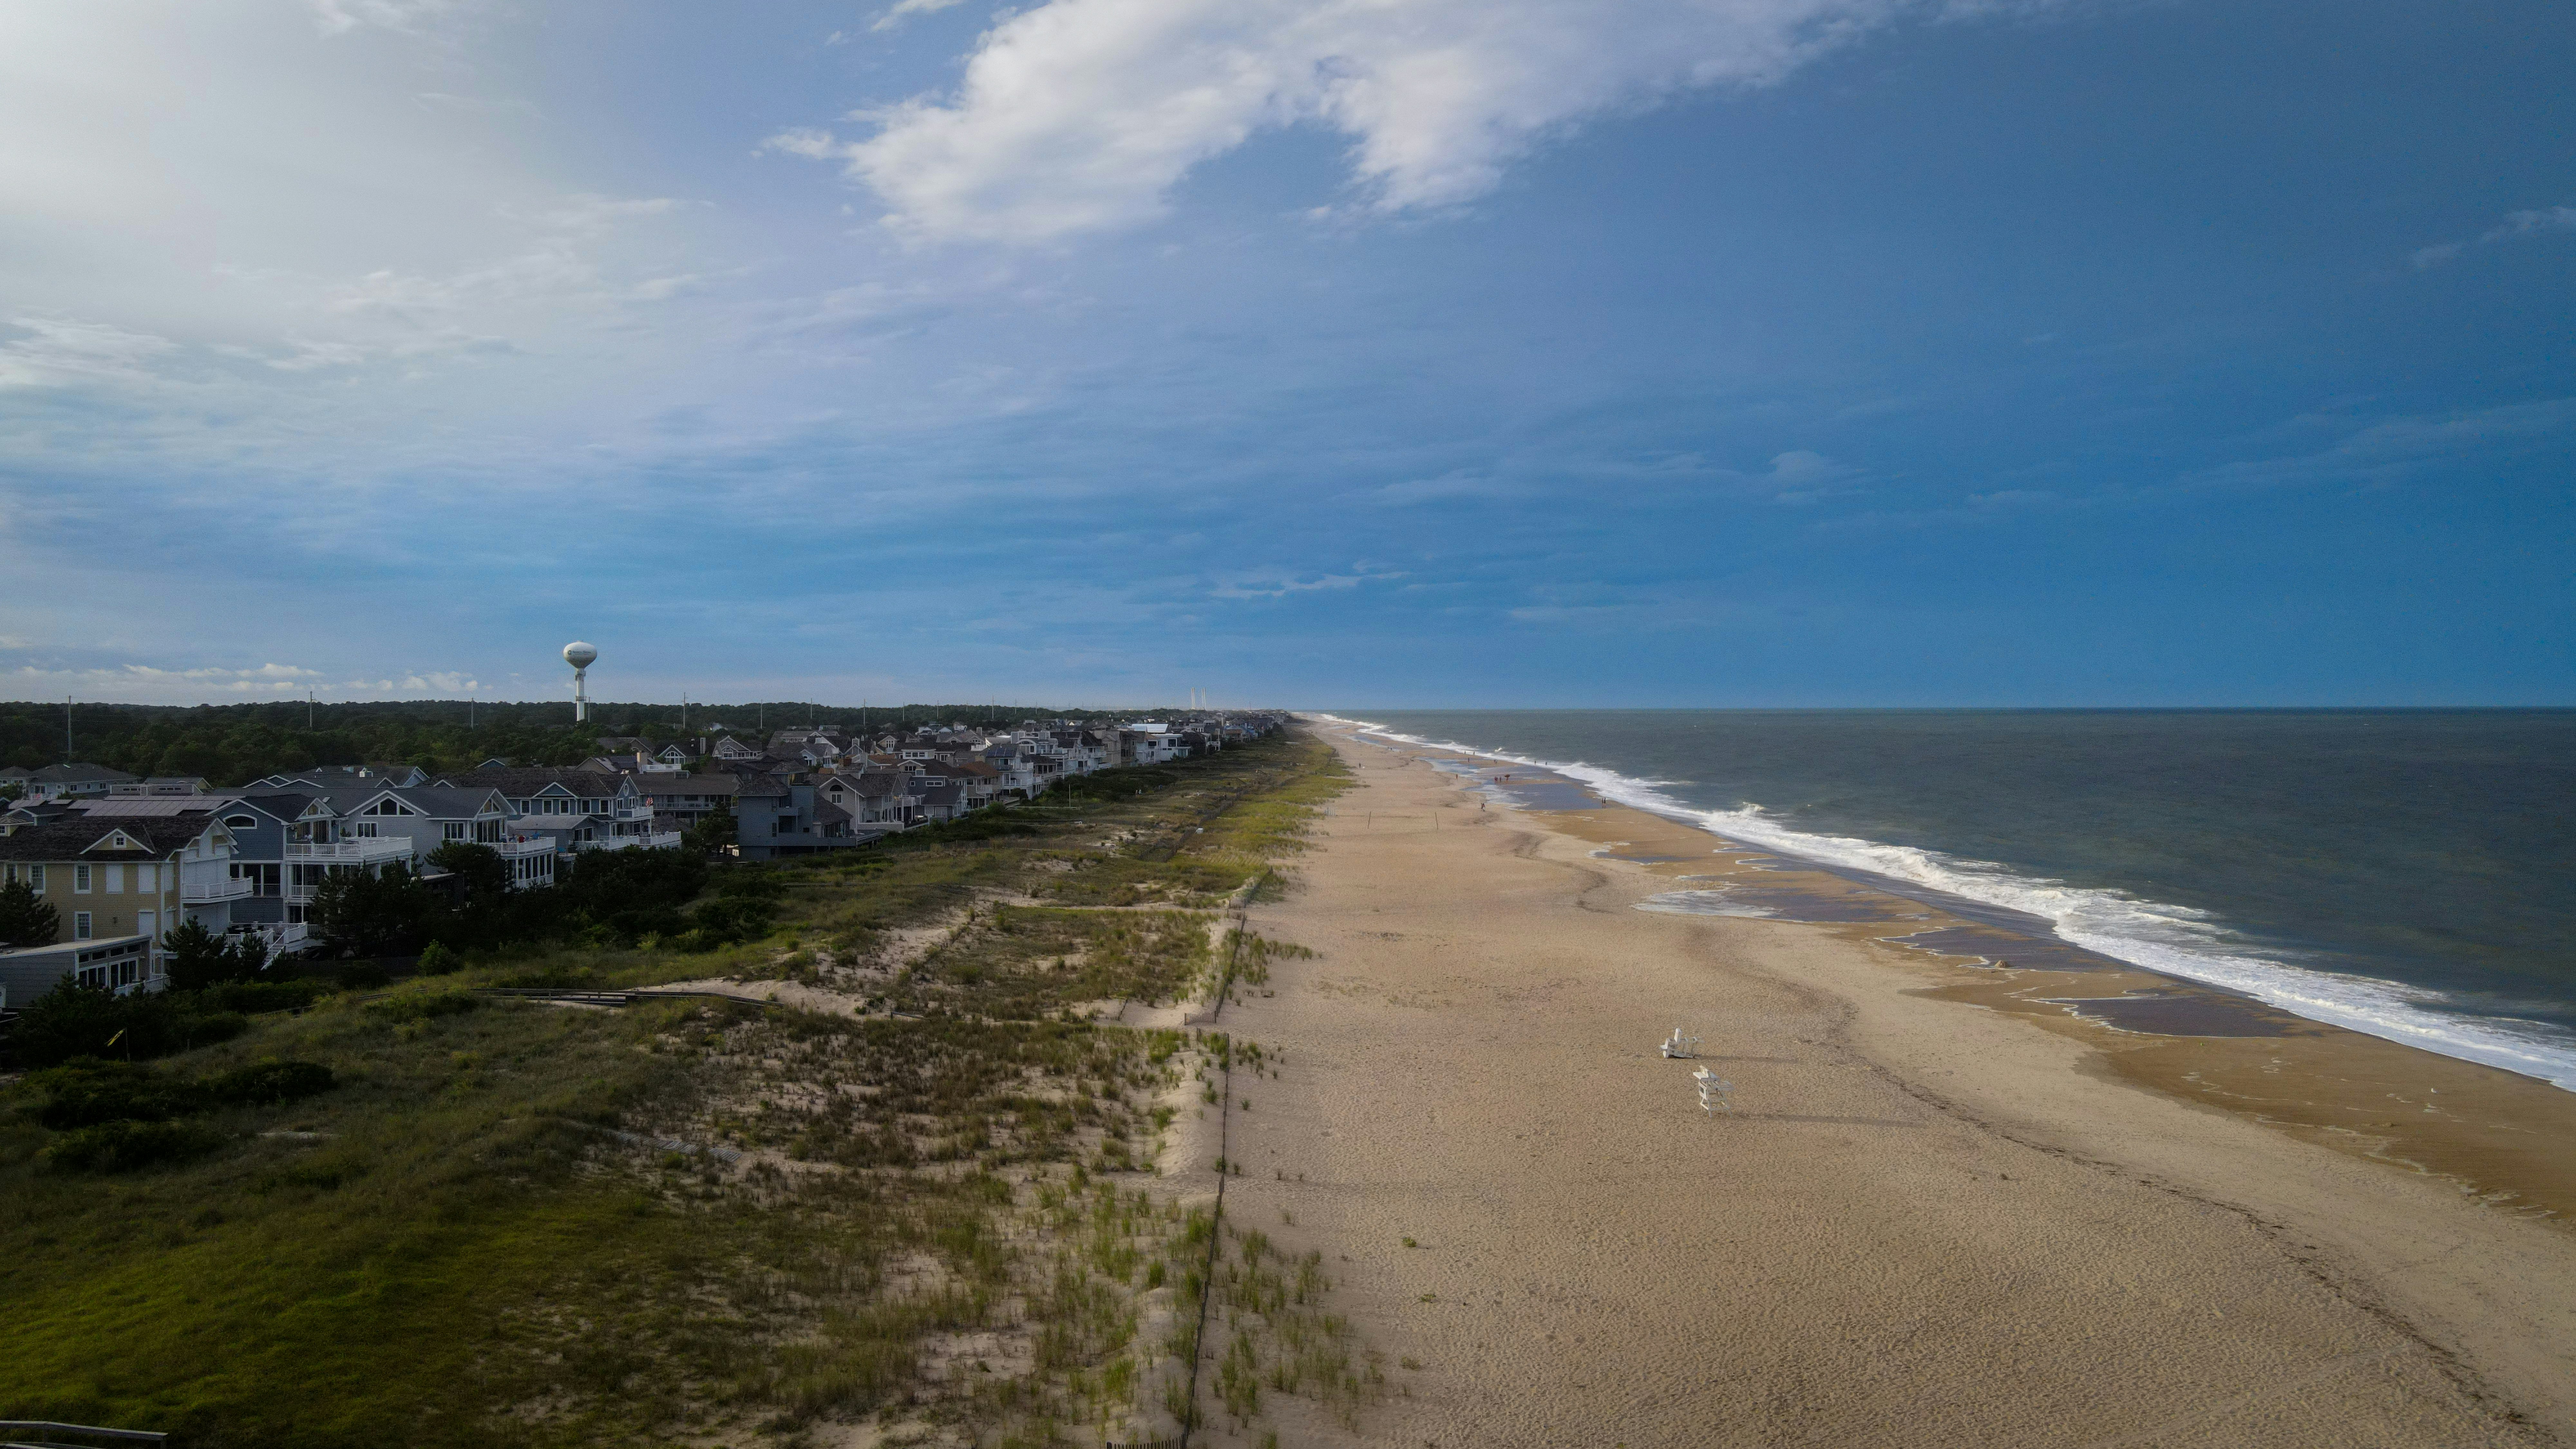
(116, 880)
(80, 923)
(240, 822)
(366, 830)
(36, 878)
(80, 881)
(453, 830)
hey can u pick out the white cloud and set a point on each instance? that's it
(2525, 223)
(1281, 586)
(2516, 226)
(895, 17)
(59, 350)
(2392, 448)
(410, 17)
(1457, 483)
(1078, 115)
(1799, 476)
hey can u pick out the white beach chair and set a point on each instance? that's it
(1682, 1047)
(1715, 1092)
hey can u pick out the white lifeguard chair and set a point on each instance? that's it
(1684, 1048)
(1715, 1092)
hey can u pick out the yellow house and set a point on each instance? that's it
(117, 876)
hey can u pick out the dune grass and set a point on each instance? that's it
(518, 1225)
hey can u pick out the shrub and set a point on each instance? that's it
(730, 919)
(437, 960)
(87, 1092)
(125, 1146)
(420, 1006)
(256, 997)
(88, 1021)
(266, 1084)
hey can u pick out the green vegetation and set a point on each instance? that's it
(603, 898)
(26, 919)
(231, 744)
(434, 1216)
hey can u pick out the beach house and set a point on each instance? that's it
(114, 880)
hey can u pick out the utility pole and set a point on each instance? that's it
(67, 729)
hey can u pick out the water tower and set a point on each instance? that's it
(579, 656)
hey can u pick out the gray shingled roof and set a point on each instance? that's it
(713, 782)
(524, 782)
(78, 775)
(74, 837)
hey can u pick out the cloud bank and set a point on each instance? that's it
(1080, 115)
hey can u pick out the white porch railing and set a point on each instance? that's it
(278, 939)
(365, 850)
(513, 849)
(205, 890)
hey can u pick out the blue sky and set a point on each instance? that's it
(1426, 352)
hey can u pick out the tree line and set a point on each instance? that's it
(233, 744)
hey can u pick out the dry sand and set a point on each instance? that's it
(1929, 1222)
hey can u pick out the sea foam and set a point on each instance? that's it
(2171, 939)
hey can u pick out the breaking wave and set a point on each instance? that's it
(2171, 939)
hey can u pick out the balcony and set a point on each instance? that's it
(366, 850)
(516, 849)
(206, 890)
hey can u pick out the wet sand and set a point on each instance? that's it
(1956, 1203)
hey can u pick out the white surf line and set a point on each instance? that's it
(2170, 940)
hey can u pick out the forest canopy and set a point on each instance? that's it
(232, 744)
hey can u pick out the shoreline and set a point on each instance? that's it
(1923, 1223)
(2378, 1005)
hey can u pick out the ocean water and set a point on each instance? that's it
(2408, 873)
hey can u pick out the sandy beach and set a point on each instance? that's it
(1945, 1210)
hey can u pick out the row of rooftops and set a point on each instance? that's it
(948, 760)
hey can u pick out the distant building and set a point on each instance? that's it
(578, 809)
(65, 782)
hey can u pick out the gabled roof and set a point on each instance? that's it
(76, 837)
(149, 805)
(78, 775)
(713, 782)
(530, 782)
(441, 801)
(283, 808)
